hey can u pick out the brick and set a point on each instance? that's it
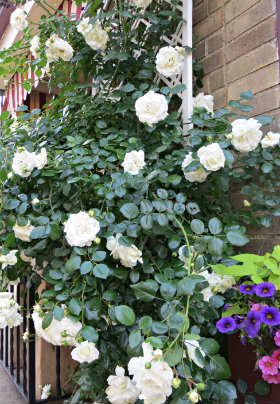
(252, 61)
(213, 5)
(250, 18)
(197, 2)
(251, 40)
(215, 42)
(258, 81)
(236, 7)
(211, 25)
(265, 102)
(216, 80)
(213, 62)
(219, 98)
(200, 13)
(261, 245)
(205, 89)
(200, 50)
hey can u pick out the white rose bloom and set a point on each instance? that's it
(194, 397)
(81, 229)
(84, 27)
(129, 256)
(169, 61)
(216, 282)
(23, 232)
(142, 3)
(191, 346)
(13, 318)
(246, 134)
(207, 293)
(212, 157)
(57, 49)
(3, 321)
(8, 259)
(9, 315)
(198, 175)
(23, 163)
(10, 175)
(18, 19)
(226, 283)
(270, 140)
(204, 101)
(154, 384)
(85, 352)
(151, 108)
(52, 334)
(46, 392)
(40, 159)
(121, 390)
(95, 36)
(134, 161)
(35, 47)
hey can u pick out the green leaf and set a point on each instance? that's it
(265, 119)
(246, 108)
(98, 256)
(55, 231)
(237, 237)
(215, 226)
(72, 264)
(134, 338)
(209, 346)
(262, 388)
(48, 318)
(86, 267)
(234, 103)
(5, 115)
(247, 95)
(155, 341)
(174, 355)
(197, 226)
(215, 246)
(178, 89)
(55, 274)
(128, 88)
(125, 315)
(145, 322)
(187, 285)
(266, 167)
(89, 333)
(145, 290)
(75, 306)
(58, 313)
(242, 386)
(38, 232)
(101, 271)
(219, 368)
(146, 222)
(226, 391)
(129, 210)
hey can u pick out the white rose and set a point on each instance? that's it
(35, 47)
(191, 346)
(84, 27)
(57, 49)
(246, 134)
(129, 256)
(151, 108)
(226, 283)
(85, 352)
(220, 283)
(194, 397)
(121, 390)
(134, 161)
(13, 318)
(35, 201)
(198, 175)
(204, 101)
(10, 175)
(212, 157)
(23, 232)
(3, 321)
(18, 19)
(40, 159)
(169, 61)
(207, 293)
(96, 37)
(8, 259)
(46, 392)
(270, 140)
(142, 3)
(155, 383)
(23, 163)
(81, 229)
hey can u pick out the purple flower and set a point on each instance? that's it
(253, 323)
(272, 331)
(239, 321)
(247, 289)
(226, 306)
(265, 289)
(243, 340)
(270, 315)
(226, 324)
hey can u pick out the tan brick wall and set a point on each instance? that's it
(237, 45)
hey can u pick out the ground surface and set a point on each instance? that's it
(8, 392)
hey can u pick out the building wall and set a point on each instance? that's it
(237, 44)
(238, 47)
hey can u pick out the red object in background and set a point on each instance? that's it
(242, 361)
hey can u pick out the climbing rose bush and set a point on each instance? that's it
(119, 213)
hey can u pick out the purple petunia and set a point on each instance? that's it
(247, 289)
(253, 323)
(270, 315)
(226, 324)
(243, 340)
(239, 321)
(265, 289)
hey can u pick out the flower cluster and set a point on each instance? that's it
(133, 162)
(269, 365)
(81, 229)
(85, 352)
(58, 48)
(170, 61)
(94, 35)
(18, 19)
(129, 256)
(24, 162)
(9, 315)
(217, 284)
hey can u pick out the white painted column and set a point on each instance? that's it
(187, 76)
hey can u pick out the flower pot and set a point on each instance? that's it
(242, 362)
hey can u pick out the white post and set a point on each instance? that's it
(187, 76)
